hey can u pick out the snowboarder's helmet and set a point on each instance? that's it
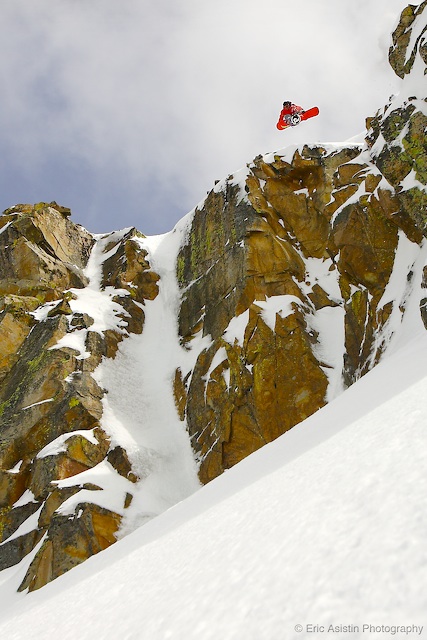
(287, 103)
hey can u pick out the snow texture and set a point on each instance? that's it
(324, 526)
(144, 419)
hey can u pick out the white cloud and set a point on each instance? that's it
(119, 106)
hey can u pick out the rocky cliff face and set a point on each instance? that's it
(294, 276)
(50, 404)
(320, 231)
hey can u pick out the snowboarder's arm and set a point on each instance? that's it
(282, 124)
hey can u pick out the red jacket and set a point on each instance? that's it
(284, 118)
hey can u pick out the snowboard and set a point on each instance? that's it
(310, 113)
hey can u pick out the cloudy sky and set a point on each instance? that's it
(128, 111)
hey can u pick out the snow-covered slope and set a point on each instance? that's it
(326, 526)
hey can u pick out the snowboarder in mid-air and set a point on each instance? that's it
(292, 114)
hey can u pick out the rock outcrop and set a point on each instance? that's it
(50, 404)
(294, 276)
(319, 229)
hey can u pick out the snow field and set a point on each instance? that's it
(324, 526)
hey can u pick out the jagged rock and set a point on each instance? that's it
(39, 254)
(15, 325)
(400, 58)
(12, 485)
(397, 135)
(13, 518)
(50, 403)
(343, 207)
(294, 210)
(118, 459)
(80, 454)
(14, 550)
(127, 268)
(69, 540)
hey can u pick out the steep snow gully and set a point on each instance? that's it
(139, 408)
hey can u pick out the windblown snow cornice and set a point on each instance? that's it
(133, 368)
